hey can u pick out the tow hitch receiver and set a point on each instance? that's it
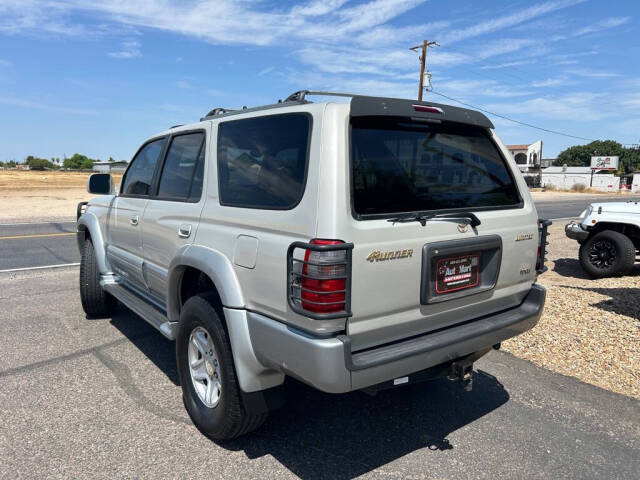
(462, 368)
(462, 371)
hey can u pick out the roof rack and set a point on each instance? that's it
(298, 97)
(219, 111)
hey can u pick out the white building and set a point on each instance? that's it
(527, 157)
(567, 177)
(635, 183)
(109, 167)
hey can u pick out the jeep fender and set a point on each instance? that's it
(253, 376)
(89, 222)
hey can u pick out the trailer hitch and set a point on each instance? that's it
(462, 371)
(462, 368)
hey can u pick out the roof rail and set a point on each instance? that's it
(300, 95)
(176, 126)
(219, 111)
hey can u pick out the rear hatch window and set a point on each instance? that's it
(400, 165)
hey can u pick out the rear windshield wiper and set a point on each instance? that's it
(467, 218)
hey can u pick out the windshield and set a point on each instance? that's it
(403, 166)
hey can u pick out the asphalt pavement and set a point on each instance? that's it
(571, 208)
(100, 399)
(29, 245)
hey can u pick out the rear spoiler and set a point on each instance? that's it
(362, 106)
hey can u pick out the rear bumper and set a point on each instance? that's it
(576, 232)
(329, 365)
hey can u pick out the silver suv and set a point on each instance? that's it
(351, 245)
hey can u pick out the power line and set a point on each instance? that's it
(513, 120)
(632, 145)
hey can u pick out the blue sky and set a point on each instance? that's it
(98, 77)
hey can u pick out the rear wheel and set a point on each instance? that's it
(95, 301)
(607, 254)
(210, 388)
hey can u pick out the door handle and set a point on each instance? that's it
(133, 220)
(184, 231)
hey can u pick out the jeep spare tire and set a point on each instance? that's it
(607, 254)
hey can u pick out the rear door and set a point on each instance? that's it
(412, 271)
(172, 213)
(124, 246)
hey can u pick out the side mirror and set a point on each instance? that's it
(100, 184)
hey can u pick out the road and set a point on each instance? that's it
(571, 208)
(100, 399)
(28, 245)
(44, 244)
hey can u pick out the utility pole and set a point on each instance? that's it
(423, 61)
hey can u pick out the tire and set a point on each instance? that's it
(95, 301)
(607, 254)
(221, 414)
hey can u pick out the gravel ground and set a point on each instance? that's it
(590, 328)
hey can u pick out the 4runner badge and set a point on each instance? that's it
(378, 256)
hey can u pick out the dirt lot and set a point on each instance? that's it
(45, 195)
(590, 328)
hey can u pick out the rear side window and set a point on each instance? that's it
(181, 164)
(400, 166)
(262, 162)
(139, 176)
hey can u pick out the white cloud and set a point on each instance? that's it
(509, 20)
(130, 49)
(593, 73)
(604, 24)
(549, 82)
(183, 84)
(266, 71)
(34, 105)
(507, 64)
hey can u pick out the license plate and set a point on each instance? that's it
(457, 273)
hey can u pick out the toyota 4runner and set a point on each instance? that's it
(352, 246)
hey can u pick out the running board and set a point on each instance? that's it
(143, 308)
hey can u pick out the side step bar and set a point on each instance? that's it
(140, 306)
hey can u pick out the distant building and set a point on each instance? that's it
(567, 177)
(635, 182)
(547, 162)
(527, 157)
(109, 167)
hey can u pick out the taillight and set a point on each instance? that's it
(542, 244)
(319, 285)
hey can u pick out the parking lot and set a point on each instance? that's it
(100, 399)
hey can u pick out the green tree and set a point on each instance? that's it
(78, 162)
(40, 164)
(36, 163)
(580, 155)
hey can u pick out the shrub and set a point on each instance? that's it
(550, 186)
(578, 187)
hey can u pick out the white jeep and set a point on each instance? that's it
(609, 237)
